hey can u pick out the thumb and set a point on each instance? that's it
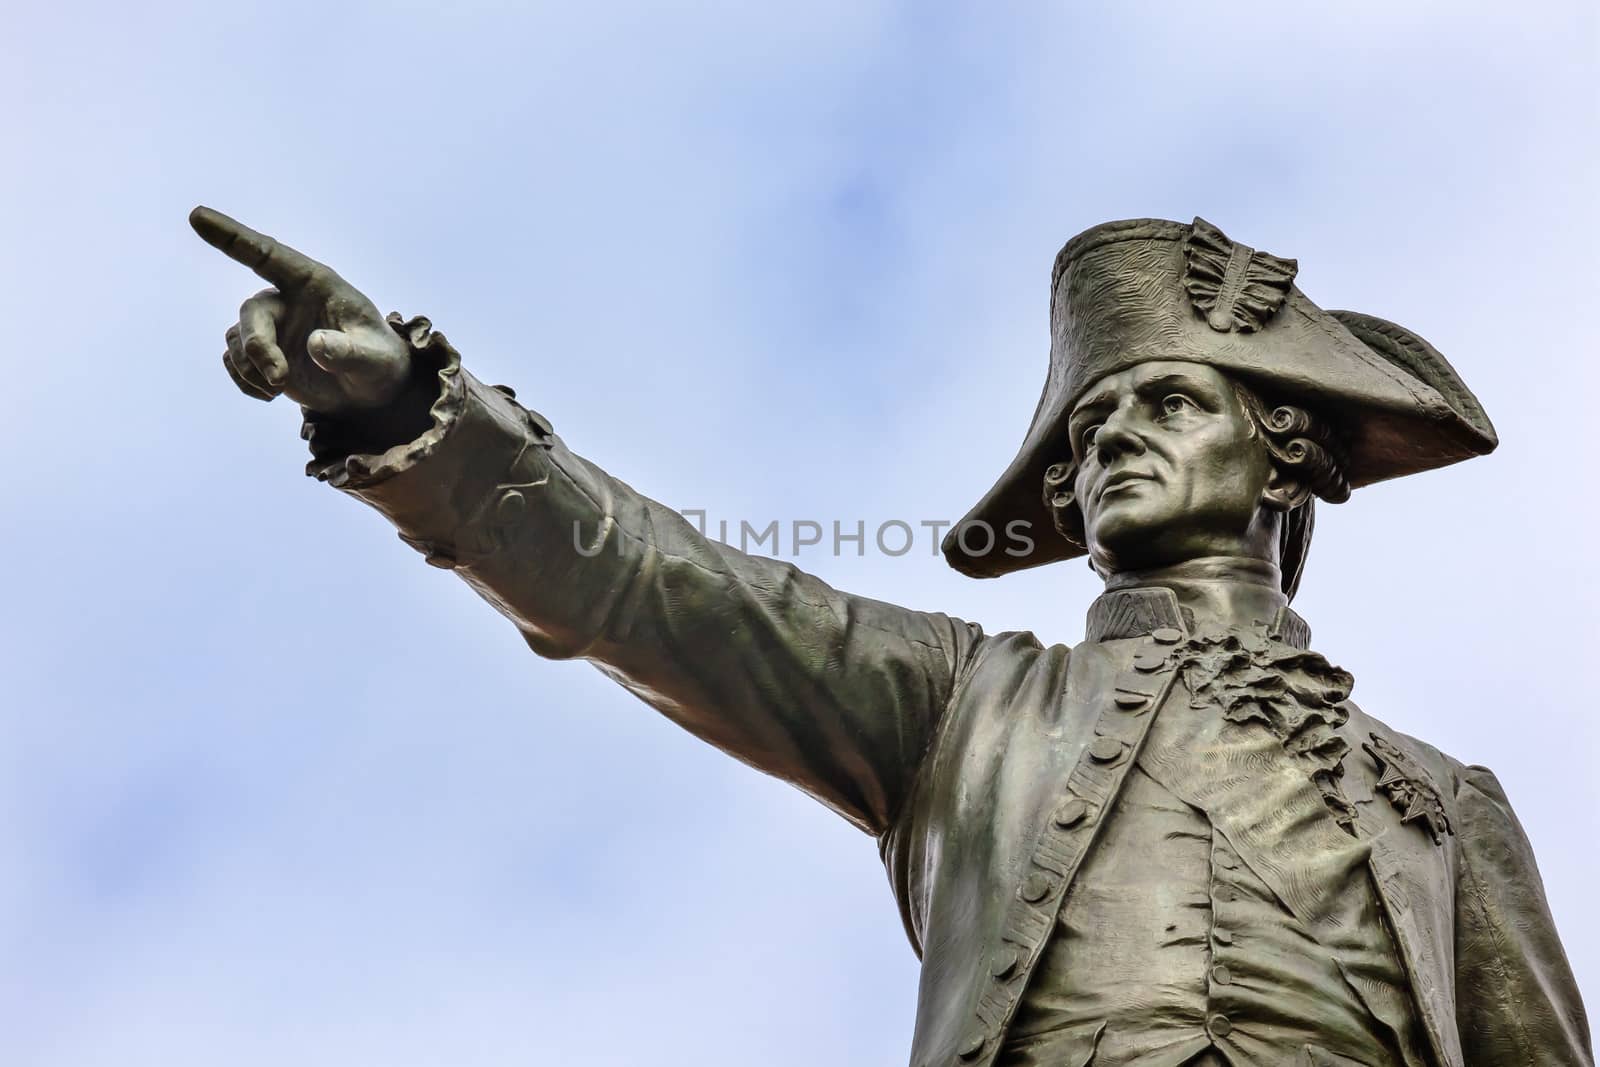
(329, 348)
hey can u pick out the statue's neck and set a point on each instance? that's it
(1216, 592)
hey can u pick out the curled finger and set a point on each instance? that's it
(245, 372)
(258, 332)
(244, 384)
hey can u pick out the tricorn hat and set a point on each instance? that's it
(1130, 292)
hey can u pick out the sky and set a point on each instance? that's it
(272, 790)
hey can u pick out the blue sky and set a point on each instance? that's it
(271, 790)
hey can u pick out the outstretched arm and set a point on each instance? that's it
(837, 694)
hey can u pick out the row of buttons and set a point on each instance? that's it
(1062, 847)
(1218, 1025)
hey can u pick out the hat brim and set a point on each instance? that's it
(1445, 426)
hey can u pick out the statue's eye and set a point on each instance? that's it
(1088, 438)
(1175, 403)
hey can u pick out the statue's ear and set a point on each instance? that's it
(1285, 491)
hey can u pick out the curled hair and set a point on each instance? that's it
(1062, 503)
(1302, 445)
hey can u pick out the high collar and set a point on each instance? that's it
(1141, 610)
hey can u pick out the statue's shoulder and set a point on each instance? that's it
(1364, 723)
(1420, 780)
(1013, 659)
(1368, 731)
(1013, 648)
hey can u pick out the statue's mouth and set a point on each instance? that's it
(1122, 480)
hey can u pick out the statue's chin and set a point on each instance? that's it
(1153, 546)
(1127, 537)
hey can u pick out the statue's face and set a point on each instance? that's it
(1169, 469)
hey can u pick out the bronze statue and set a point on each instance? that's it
(1175, 843)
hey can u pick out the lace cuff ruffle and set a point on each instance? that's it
(337, 453)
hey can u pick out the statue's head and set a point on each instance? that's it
(1198, 403)
(1170, 461)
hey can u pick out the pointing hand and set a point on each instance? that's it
(312, 336)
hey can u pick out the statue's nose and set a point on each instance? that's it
(1118, 435)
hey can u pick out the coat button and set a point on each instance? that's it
(1222, 935)
(1219, 1025)
(1105, 750)
(1221, 975)
(1004, 964)
(972, 1046)
(1037, 886)
(1071, 813)
(511, 507)
(1129, 700)
(539, 423)
(1167, 635)
(1150, 659)
(441, 559)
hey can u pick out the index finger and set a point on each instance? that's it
(274, 262)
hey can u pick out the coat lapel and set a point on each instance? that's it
(1412, 876)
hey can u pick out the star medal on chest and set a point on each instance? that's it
(1409, 788)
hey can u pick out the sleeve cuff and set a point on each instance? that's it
(476, 446)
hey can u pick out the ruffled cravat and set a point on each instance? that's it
(1294, 693)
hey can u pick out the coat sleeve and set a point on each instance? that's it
(834, 693)
(1516, 1000)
